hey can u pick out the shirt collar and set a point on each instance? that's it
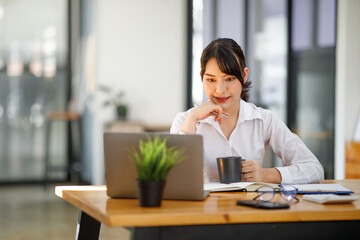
(247, 112)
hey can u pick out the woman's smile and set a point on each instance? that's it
(221, 99)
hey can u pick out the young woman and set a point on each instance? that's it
(231, 126)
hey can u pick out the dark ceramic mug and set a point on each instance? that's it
(229, 169)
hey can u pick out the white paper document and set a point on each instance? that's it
(330, 198)
(237, 186)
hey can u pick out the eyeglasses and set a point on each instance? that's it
(266, 193)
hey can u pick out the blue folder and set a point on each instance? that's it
(330, 188)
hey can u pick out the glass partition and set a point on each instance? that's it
(267, 59)
(290, 51)
(312, 77)
(33, 72)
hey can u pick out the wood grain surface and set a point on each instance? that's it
(217, 208)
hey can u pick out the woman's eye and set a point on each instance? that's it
(231, 79)
(210, 80)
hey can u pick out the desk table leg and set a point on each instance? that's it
(87, 228)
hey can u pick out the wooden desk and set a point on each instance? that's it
(217, 217)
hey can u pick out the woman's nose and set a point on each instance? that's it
(221, 87)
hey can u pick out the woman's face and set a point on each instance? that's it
(220, 88)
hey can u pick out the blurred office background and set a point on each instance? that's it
(61, 55)
(62, 60)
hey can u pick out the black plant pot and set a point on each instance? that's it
(150, 193)
(121, 112)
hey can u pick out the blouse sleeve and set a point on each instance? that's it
(300, 164)
(178, 123)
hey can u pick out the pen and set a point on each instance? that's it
(214, 112)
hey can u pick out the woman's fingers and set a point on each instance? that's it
(249, 166)
(251, 171)
(209, 109)
(249, 179)
(248, 162)
(219, 113)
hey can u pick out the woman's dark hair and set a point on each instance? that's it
(231, 60)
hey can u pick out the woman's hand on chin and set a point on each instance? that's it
(208, 109)
(201, 112)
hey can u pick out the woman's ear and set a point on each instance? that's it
(246, 71)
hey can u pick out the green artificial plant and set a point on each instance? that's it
(154, 159)
(115, 99)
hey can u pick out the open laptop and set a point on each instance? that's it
(184, 182)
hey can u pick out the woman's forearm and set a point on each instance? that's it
(189, 126)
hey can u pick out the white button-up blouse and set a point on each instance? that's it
(255, 129)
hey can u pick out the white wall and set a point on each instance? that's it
(352, 69)
(347, 79)
(141, 49)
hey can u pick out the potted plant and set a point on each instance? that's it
(115, 99)
(153, 160)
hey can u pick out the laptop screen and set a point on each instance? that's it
(184, 182)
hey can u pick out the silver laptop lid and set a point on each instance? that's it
(184, 182)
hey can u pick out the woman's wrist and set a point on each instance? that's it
(189, 126)
(271, 175)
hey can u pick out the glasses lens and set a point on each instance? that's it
(288, 192)
(265, 193)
